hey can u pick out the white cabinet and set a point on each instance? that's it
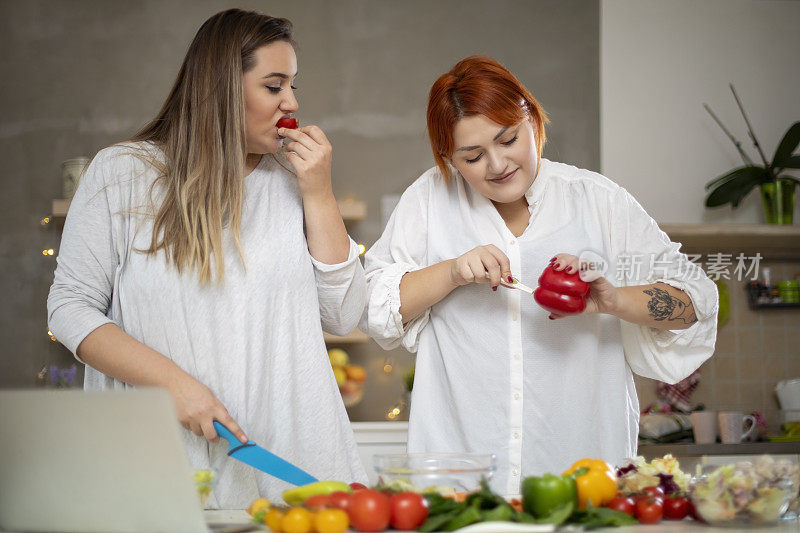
(375, 438)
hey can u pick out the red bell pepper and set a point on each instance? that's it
(289, 123)
(561, 293)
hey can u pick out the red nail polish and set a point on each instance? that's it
(557, 265)
(553, 259)
(568, 270)
(550, 317)
(510, 279)
(494, 288)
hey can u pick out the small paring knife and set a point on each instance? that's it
(516, 285)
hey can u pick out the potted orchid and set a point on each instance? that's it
(777, 187)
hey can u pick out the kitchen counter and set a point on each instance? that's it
(649, 451)
(665, 526)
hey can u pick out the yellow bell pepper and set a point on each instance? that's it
(597, 482)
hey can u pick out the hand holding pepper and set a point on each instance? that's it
(563, 292)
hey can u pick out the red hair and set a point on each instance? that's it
(478, 85)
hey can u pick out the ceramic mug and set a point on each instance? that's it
(704, 424)
(731, 426)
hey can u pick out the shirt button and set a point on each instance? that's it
(516, 435)
(515, 472)
(516, 397)
(512, 242)
(516, 356)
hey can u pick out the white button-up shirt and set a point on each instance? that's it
(493, 374)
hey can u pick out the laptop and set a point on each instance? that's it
(110, 461)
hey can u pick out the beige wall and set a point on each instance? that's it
(660, 61)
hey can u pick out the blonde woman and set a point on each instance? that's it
(207, 254)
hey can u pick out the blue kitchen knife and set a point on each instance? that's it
(257, 457)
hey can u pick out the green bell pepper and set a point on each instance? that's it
(542, 495)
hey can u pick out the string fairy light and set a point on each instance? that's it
(52, 337)
(48, 251)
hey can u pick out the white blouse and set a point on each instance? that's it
(493, 373)
(256, 340)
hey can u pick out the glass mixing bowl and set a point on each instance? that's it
(441, 472)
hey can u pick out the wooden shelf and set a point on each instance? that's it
(771, 241)
(351, 210)
(354, 337)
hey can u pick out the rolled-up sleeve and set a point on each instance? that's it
(665, 355)
(401, 249)
(342, 292)
(80, 297)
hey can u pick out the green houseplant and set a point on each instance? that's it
(777, 188)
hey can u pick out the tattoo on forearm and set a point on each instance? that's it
(663, 306)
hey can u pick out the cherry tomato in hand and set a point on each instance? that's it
(289, 123)
(622, 504)
(369, 510)
(649, 510)
(676, 508)
(409, 510)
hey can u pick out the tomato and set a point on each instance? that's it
(622, 504)
(649, 510)
(289, 123)
(331, 521)
(693, 512)
(676, 508)
(409, 510)
(340, 500)
(516, 503)
(259, 504)
(369, 510)
(357, 486)
(297, 520)
(319, 501)
(655, 492)
(274, 519)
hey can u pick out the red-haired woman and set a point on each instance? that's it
(495, 372)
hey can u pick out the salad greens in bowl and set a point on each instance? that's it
(746, 493)
(445, 473)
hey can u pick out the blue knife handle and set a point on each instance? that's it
(233, 440)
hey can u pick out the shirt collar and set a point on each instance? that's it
(535, 192)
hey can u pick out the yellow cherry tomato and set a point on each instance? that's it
(274, 519)
(598, 483)
(331, 521)
(260, 504)
(297, 520)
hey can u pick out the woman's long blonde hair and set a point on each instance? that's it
(201, 131)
